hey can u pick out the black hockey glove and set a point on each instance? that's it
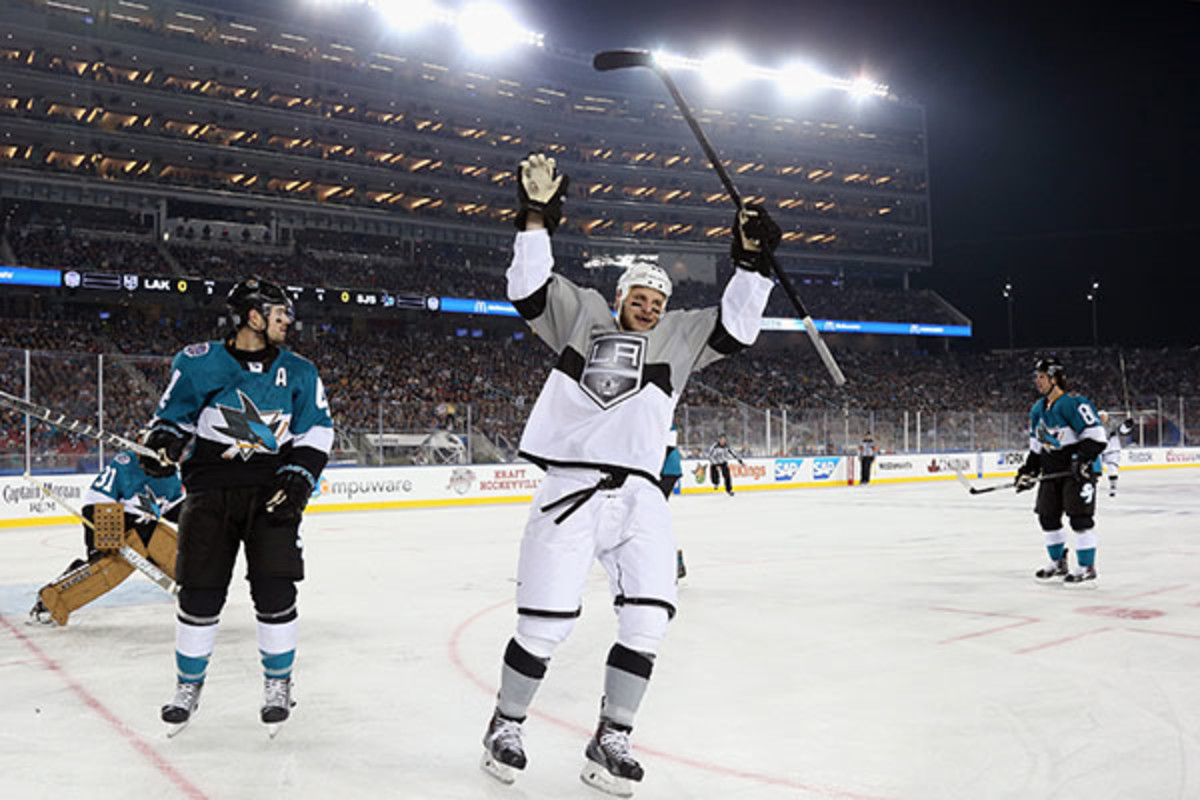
(755, 235)
(169, 444)
(1027, 473)
(1126, 428)
(290, 492)
(541, 188)
(1081, 469)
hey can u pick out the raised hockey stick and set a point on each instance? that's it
(997, 487)
(135, 559)
(1125, 386)
(624, 59)
(74, 425)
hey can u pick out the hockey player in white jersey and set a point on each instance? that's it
(1110, 459)
(599, 429)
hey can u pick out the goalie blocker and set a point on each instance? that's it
(80, 586)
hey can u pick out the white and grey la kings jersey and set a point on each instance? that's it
(609, 400)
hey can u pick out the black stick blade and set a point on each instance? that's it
(622, 59)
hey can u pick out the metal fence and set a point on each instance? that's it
(118, 393)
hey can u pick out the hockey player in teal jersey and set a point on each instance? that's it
(261, 433)
(147, 498)
(1065, 440)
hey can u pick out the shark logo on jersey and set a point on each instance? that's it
(148, 505)
(254, 431)
(613, 371)
(1048, 439)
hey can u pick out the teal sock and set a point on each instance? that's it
(278, 665)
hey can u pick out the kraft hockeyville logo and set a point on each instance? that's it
(613, 371)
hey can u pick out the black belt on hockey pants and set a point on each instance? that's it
(611, 480)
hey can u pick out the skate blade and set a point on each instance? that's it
(598, 777)
(174, 729)
(501, 772)
(273, 729)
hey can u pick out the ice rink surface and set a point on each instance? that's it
(868, 642)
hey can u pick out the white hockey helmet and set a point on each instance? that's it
(647, 275)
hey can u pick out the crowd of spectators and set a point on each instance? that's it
(416, 379)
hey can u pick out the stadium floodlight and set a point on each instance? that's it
(862, 87)
(800, 79)
(724, 69)
(407, 15)
(487, 28)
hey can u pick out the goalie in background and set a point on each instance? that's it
(129, 502)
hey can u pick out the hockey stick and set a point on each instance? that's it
(135, 559)
(76, 426)
(1125, 386)
(976, 490)
(624, 59)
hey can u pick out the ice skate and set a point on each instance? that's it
(503, 750)
(277, 703)
(1083, 574)
(40, 615)
(179, 712)
(610, 765)
(1055, 569)
(680, 568)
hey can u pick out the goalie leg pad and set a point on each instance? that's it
(83, 585)
(161, 550)
(108, 520)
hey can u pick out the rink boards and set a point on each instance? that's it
(365, 489)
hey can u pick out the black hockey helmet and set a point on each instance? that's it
(1051, 366)
(257, 294)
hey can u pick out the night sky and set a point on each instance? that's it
(1064, 140)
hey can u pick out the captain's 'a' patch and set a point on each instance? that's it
(613, 369)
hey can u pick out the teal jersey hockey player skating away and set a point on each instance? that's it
(248, 418)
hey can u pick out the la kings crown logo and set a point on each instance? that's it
(613, 371)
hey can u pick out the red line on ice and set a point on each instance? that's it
(490, 689)
(1056, 642)
(135, 741)
(986, 631)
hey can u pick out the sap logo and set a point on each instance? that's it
(1010, 458)
(823, 468)
(786, 469)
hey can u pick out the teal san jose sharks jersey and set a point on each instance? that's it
(143, 496)
(249, 418)
(1058, 431)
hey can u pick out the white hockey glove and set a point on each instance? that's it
(541, 188)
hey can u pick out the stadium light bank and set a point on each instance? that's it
(726, 68)
(485, 27)
(488, 28)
